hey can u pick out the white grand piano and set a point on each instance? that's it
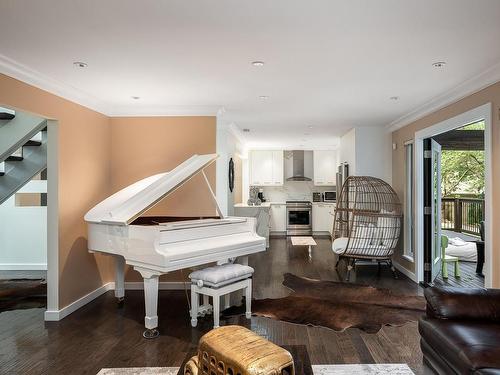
(158, 245)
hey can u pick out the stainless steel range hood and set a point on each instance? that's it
(298, 165)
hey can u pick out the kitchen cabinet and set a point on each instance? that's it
(278, 217)
(322, 217)
(278, 167)
(266, 168)
(325, 168)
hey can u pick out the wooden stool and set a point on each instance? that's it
(216, 282)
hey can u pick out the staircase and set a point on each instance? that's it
(23, 150)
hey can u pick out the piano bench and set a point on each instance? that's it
(216, 282)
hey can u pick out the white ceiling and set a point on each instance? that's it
(329, 64)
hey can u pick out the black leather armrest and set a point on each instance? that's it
(463, 303)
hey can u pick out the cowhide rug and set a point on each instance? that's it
(22, 294)
(338, 305)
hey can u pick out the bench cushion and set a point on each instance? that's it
(224, 274)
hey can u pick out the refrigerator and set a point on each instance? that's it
(342, 174)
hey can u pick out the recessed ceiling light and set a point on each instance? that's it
(80, 64)
(439, 64)
(264, 97)
(310, 126)
(246, 130)
(258, 63)
(394, 98)
(135, 97)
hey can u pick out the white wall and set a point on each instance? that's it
(374, 152)
(347, 150)
(228, 144)
(23, 233)
(368, 150)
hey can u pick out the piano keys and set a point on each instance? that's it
(157, 245)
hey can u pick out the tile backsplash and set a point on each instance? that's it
(293, 190)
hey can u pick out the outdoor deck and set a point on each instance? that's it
(469, 278)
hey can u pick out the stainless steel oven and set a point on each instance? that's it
(298, 218)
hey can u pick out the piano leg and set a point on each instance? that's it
(151, 300)
(120, 278)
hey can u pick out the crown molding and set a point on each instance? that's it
(466, 88)
(237, 133)
(166, 110)
(32, 77)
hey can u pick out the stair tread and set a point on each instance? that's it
(14, 158)
(33, 143)
(6, 116)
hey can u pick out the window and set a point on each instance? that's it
(409, 201)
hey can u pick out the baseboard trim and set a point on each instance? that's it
(56, 315)
(405, 272)
(23, 266)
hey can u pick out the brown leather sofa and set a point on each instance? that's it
(460, 333)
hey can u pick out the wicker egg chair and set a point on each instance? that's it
(367, 222)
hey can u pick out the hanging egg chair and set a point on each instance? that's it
(367, 222)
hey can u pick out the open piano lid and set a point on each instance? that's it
(129, 203)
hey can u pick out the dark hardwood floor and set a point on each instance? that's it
(102, 335)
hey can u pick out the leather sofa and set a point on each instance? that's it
(460, 333)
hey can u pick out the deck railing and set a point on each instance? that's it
(462, 214)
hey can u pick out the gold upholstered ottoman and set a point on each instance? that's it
(235, 350)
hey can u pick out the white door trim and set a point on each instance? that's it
(476, 114)
(52, 218)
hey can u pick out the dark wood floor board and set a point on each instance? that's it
(328, 339)
(358, 342)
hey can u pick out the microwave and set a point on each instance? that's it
(330, 196)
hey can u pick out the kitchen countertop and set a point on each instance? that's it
(265, 204)
(269, 204)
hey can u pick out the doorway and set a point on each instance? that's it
(454, 190)
(429, 207)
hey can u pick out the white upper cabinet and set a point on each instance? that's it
(325, 168)
(278, 168)
(266, 168)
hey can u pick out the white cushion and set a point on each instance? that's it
(218, 276)
(339, 245)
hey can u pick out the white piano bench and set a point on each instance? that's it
(216, 282)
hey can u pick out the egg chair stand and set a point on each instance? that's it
(351, 265)
(367, 222)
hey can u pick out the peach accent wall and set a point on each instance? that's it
(84, 180)
(487, 95)
(143, 146)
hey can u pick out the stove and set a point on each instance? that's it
(298, 218)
